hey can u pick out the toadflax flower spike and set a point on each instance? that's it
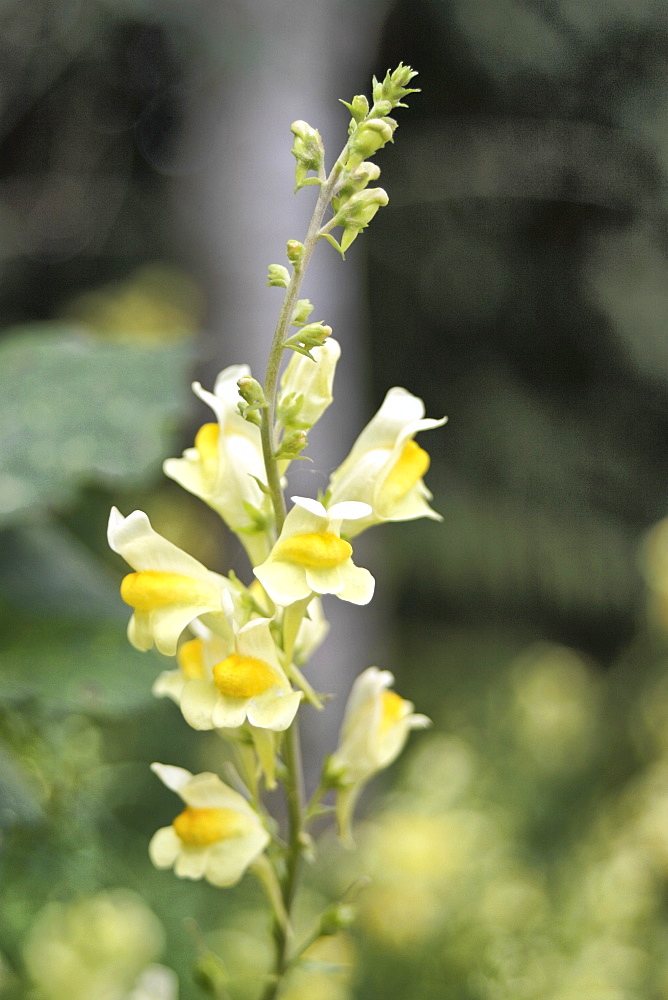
(385, 466)
(310, 557)
(216, 837)
(169, 588)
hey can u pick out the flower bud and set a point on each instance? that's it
(292, 444)
(357, 213)
(302, 311)
(289, 407)
(394, 87)
(278, 276)
(371, 136)
(355, 180)
(382, 108)
(359, 108)
(295, 252)
(308, 151)
(338, 917)
(251, 391)
(312, 335)
(306, 388)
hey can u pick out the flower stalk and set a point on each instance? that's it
(242, 649)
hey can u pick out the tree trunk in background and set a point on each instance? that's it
(304, 55)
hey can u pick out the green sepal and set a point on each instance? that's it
(330, 239)
(278, 276)
(263, 486)
(260, 521)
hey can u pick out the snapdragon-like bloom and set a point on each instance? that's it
(310, 557)
(225, 463)
(216, 837)
(375, 728)
(222, 684)
(385, 467)
(309, 383)
(169, 588)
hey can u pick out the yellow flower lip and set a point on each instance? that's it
(392, 710)
(203, 827)
(317, 550)
(243, 676)
(190, 658)
(206, 443)
(153, 589)
(408, 470)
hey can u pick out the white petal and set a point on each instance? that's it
(143, 548)
(169, 684)
(349, 510)
(175, 778)
(139, 631)
(313, 506)
(191, 862)
(325, 580)
(164, 847)
(274, 709)
(229, 713)
(359, 584)
(207, 791)
(284, 582)
(198, 701)
(168, 623)
(229, 859)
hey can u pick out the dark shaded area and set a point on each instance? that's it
(513, 192)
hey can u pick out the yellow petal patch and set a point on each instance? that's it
(321, 550)
(153, 589)
(206, 442)
(202, 827)
(190, 658)
(243, 676)
(408, 470)
(392, 710)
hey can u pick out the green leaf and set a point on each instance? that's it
(75, 409)
(87, 668)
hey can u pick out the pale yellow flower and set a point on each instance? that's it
(375, 728)
(169, 588)
(216, 837)
(310, 380)
(222, 684)
(225, 463)
(385, 467)
(94, 947)
(310, 557)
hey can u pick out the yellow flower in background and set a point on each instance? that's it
(99, 946)
(216, 837)
(310, 557)
(169, 588)
(385, 467)
(375, 728)
(225, 463)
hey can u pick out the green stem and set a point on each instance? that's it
(295, 800)
(292, 753)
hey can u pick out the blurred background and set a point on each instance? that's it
(517, 281)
